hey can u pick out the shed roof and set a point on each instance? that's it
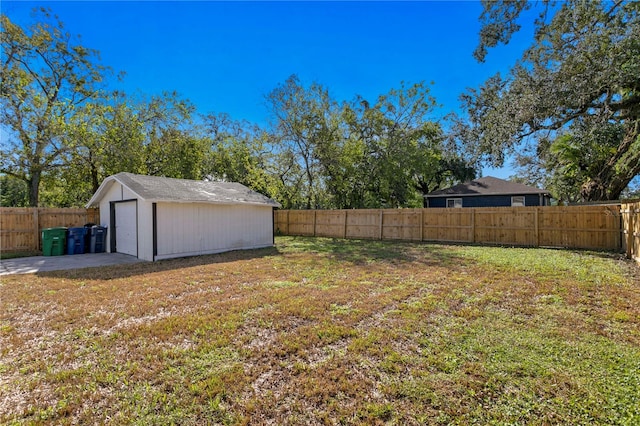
(487, 186)
(163, 189)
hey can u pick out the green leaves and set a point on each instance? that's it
(46, 76)
(359, 154)
(578, 78)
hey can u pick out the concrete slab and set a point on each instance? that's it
(30, 265)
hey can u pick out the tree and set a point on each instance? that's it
(561, 165)
(305, 120)
(237, 152)
(13, 192)
(234, 149)
(583, 67)
(448, 169)
(356, 154)
(399, 151)
(105, 137)
(46, 77)
(119, 133)
(177, 154)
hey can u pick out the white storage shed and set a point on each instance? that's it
(156, 218)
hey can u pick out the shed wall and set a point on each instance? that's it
(193, 229)
(145, 230)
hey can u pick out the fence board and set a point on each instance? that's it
(302, 222)
(588, 227)
(21, 228)
(281, 222)
(363, 224)
(401, 224)
(506, 225)
(448, 225)
(592, 227)
(330, 223)
(631, 229)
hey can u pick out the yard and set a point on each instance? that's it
(322, 331)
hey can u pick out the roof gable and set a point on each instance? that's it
(162, 189)
(487, 186)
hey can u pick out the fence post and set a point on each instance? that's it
(36, 228)
(619, 242)
(314, 222)
(473, 224)
(421, 224)
(381, 233)
(537, 226)
(344, 233)
(634, 254)
(630, 211)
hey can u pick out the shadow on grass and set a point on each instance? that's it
(129, 270)
(603, 254)
(360, 252)
(18, 254)
(353, 251)
(357, 252)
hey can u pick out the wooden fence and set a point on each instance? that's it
(20, 228)
(608, 227)
(590, 227)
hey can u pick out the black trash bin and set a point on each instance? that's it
(87, 237)
(75, 240)
(98, 238)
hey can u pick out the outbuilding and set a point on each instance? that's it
(488, 192)
(156, 218)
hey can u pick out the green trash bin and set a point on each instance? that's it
(54, 241)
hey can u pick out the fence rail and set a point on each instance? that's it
(600, 227)
(20, 228)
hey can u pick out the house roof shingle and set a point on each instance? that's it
(487, 186)
(162, 189)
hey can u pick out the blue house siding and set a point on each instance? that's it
(534, 200)
(485, 201)
(437, 202)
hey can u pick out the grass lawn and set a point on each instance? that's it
(322, 331)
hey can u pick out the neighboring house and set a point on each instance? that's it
(156, 218)
(488, 192)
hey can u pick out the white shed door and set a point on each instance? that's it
(126, 228)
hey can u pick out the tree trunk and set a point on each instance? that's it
(600, 189)
(593, 190)
(34, 188)
(618, 172)
(95, 182)
(310, 182)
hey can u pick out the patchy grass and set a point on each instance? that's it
(321, 331)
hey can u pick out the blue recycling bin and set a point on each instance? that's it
(98, 239)
(75, 240)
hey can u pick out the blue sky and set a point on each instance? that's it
(226, 56)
